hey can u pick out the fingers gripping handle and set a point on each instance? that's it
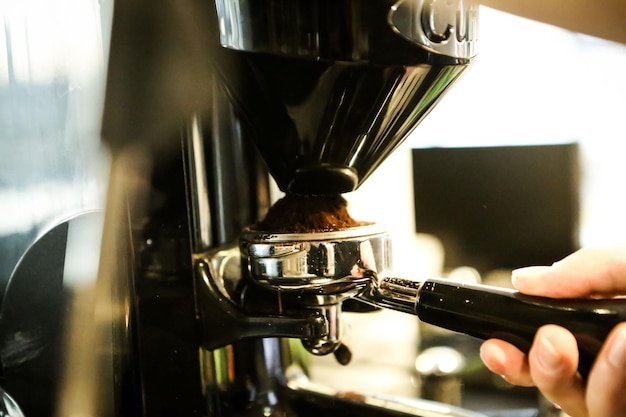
(491, 312)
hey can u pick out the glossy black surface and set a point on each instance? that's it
(323, 127)
(31, 328)
(490, 312)
(166, 368)
(379, 32)
(329, 89)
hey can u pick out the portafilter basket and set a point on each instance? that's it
(318, 269)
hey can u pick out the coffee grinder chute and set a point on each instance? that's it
(328, 90)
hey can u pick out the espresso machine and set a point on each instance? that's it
(315, 94)
(209, 294)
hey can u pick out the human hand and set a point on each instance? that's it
(551, 364)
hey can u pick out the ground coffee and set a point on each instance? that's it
(307, 214)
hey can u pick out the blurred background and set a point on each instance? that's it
(550, 99)
(52, 78)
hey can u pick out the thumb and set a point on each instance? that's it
(588, 272)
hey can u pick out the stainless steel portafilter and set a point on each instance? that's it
(317, 271)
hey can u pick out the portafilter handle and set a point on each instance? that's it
(486, 312)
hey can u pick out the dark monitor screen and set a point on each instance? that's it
(499, 207)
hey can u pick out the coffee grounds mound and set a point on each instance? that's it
(308, 214)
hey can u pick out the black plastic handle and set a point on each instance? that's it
(489, 312)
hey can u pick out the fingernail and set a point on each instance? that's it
(528, 272)
(494, 358)
(491, 355)
(547, 356)
(617, 350)
(515, 278)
